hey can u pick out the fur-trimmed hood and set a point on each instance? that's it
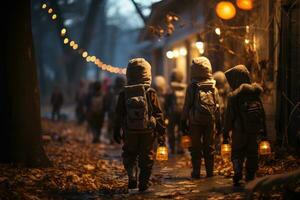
(245, 89)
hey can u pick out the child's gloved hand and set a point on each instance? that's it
(161, 140)
(117, 137)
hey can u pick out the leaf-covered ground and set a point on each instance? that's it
(82, 170)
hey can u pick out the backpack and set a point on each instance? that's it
(137, 107)
(178, 98)
(204, 104)
(96, 105)
(251, 113)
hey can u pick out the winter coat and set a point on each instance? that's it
(201, 72)
(139, 72)
(120, 118)
(239, 80)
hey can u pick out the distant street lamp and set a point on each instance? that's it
(170, 54)
(225, 10)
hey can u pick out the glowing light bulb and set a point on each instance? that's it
(93, 58)
(247, 41)
(170, 54)
(66, 40)
(247, 29)
(44, 6)
(84, 54)
(72, 43)
(75, 46)
(63, 32)
(176, 53)
(54, 16)
(50, 10)
(218, 31)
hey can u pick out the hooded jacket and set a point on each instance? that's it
(139, 72)
(201, 72)
(238, 78)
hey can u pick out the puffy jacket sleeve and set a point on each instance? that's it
(120, 110)
(218, 113)
(229, 117)
(157, 113)
(187, 103)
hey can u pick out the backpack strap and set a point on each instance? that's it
(150, 107)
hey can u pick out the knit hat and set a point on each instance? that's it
(201, 69)
(138, 72)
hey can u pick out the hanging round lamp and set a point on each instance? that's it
(225, 10)
(245, 4)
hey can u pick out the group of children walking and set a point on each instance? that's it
(197, 110)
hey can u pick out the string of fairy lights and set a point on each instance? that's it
(84, 53)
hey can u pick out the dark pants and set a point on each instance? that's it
(55, 113)
(95, 124)
(244, 147)
(173, 137)
(80, 115)
(138, 149)
(202, 147)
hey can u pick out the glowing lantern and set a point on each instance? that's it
(186, 141)
(264, 148)
(245, 4)
(162, 153)
(225, 150)
(225, 10)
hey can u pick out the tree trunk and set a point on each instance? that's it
(20, 139)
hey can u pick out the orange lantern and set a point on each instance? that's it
(245, 4)
(225, 150)
(264, 148)
(162, 153)
(186, 141)
(225, 10)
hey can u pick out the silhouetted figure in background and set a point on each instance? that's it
(160, 85)
(80, 98)
(57, 101)
(174, 106)
(95, 110)
(111, 99)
